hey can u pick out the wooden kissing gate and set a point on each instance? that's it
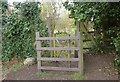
(79, 59)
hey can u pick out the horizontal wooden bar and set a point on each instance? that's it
(58, 59)
(59, 68)
(57, 48)
(57, 38)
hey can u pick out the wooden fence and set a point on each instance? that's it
(39, 48)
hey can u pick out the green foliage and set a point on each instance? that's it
(116, 42)
(106, 19)
(42, 74)
(77, 75)
(60, 34)
(19, 31)
(100, 12)
(3, 8)
(16, 67)
(4, 68)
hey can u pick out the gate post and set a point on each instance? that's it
(80, 46)
(38, 45)
(50, 32)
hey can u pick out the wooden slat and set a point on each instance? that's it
(57, 38)
(59, 68)
(57, 48)
(58, 59)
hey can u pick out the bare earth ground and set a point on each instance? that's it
(97, 67)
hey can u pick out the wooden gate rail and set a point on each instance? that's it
(57, 48)
(59, 68)
(58, 59)
(57, 38)
(39, 49)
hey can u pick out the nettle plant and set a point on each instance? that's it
(18, 30)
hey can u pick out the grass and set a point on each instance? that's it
(76, 76)
(42, 74)
(4, 68)
(16, 67)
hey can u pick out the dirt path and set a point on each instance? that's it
(97, 67)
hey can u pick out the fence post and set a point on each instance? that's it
(50, 32)
(80, 46)
(38, 45)
(69, 55)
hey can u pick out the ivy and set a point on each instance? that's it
(106, 18)
(18, 31)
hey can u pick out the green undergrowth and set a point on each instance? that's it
(4, 68)
(76, 76)
(42, 74)
(16, 67)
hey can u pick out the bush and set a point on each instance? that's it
(18, 33)
(116, 42)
